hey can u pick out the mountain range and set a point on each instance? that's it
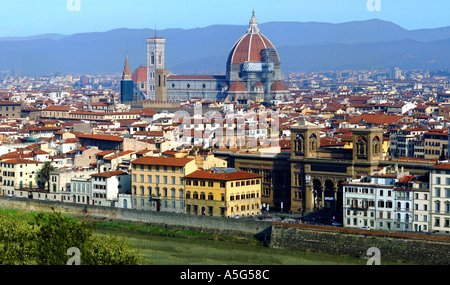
(310, 46)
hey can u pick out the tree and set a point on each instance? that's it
(45, 171)
(45, 240)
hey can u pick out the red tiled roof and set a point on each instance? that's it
(140, 74)
(100, 137)
(237, 86)
(168, 161)
(379, 119)
(108, 174)
(442, 166)
(227, 176)
(248, 48)
(278, 86)
(21, 161)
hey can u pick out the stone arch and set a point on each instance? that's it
(313, 142)
(300, 143)
(376, 145)
(317, 192)
(362, 146)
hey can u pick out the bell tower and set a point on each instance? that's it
(367, 144)
(155, 61)
(305, 141)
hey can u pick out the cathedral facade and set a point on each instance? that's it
(253, 74)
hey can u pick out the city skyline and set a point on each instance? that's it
(24, 18)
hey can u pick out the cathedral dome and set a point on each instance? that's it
(237, 86)
(252, 47)
(278, 86)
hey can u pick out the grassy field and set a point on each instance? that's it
(165, 246)
(161, 246)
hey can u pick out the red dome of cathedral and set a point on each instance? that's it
(250, 47)
(278, 86)
(237, 86)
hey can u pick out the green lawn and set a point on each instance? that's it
(173, 250)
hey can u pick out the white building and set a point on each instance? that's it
(403, 204)
(368, 202)
(106, 187)
(440, 198)
(80, 190)
(421, 211)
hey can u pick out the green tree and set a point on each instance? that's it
(46, 238)
(45, 171)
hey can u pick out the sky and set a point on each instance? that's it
(34, 17)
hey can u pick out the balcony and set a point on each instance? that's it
(358, 207)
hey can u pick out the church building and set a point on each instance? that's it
(253, 74)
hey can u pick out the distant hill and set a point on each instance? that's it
(308, 46)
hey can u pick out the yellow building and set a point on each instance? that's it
(19, 175)
(223, 193)
(157, 183)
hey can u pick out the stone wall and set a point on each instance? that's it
(408, 248)
(242, 227)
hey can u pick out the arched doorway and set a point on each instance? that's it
(203, 210)
(329, 198)
(317, 194)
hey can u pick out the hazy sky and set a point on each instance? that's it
(33, 17)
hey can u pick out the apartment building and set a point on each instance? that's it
(421, 201)
(106, 187)
(223, 193)
(62, 185)
(157, 183)
(80, 191)
(440, 198)
(403, 209)
(368, 203)
(18, 176)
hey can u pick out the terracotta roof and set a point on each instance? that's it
(223, 176)
(278, 86)
(442, 166)
(249, 48)
(168, 161)
(108, 174)
(21, 161)
(140, 74)
(379, 119)
(100, 137)
(237, 86)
